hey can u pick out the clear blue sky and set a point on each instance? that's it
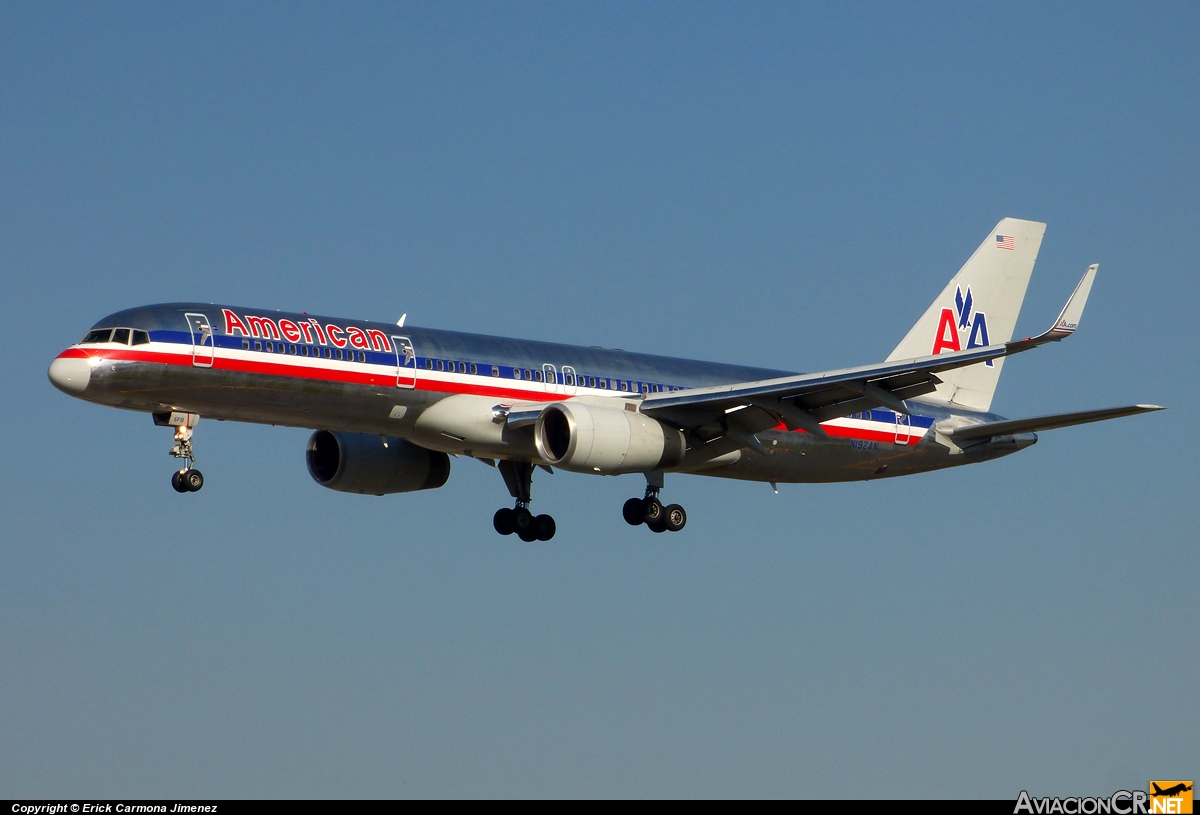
(783, 185)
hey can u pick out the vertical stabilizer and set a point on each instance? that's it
(978, 307)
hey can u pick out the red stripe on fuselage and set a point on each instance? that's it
(383, 379)
(389, 380)
(862, 434)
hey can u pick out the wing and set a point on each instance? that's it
(804, 401)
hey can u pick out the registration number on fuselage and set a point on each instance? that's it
(859, 444)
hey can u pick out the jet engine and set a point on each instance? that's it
(591, 439)
(373, 465)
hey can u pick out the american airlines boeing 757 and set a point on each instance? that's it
(390, 403)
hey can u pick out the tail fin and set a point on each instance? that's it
(979, 306)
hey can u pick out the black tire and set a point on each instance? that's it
(177, 482)
(528, 534)
(658, 526)
(674, 517)
(634, 511)
(653, 510)
(194, 480)
(505, 521)
(522, 520)
(545, 527)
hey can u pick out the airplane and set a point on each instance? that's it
(1170, 792)
(390, 404)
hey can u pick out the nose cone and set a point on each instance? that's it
(70, 375)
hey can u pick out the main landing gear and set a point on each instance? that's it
(651, 512)
(518, 475)
(188, 479)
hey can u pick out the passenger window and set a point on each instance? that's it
(257, 345)
(270, 349)
(462, 367)
(441, 366)
(428, 364)
(245, 345)
(474, 368)
(570, 379)
(98, 335)
(645, 388)
(362, 356)
(528, 375)
(537, 375)
(603, 383)
(120, 335)
(591, 381)
(328, 354)
(140, 337)
(292, 350)
(495, 371)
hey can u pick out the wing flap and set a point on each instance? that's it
(989, 429)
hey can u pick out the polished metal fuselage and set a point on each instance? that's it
(455, 412)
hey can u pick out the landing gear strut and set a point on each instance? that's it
(651, 512)
(188, 479)
(518, 475)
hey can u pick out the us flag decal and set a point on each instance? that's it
(1008, 242)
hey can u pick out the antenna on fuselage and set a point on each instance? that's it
(400, 322)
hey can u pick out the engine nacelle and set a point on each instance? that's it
(590, 439)
(362, 463)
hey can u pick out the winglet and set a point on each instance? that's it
(1068, 318)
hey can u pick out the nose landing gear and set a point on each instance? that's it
(518, 475)
(188, 479)
(651, 512)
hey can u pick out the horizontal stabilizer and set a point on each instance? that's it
(983, 431)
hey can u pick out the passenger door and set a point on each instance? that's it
(203, 345)
(406, 362)
(903, 428)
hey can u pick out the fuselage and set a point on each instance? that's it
(445, 390)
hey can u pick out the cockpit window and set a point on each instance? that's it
(98, 335)
(140, 337)
(120, 336)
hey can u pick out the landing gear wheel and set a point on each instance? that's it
(505, 521)
(545, 527)
(634, 511)
(177, 481)
(194, 480)
(653, 510)
(674, 517)
(657, 526)
(523, 522)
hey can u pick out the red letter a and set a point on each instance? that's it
(232, 323)
(947, 333)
